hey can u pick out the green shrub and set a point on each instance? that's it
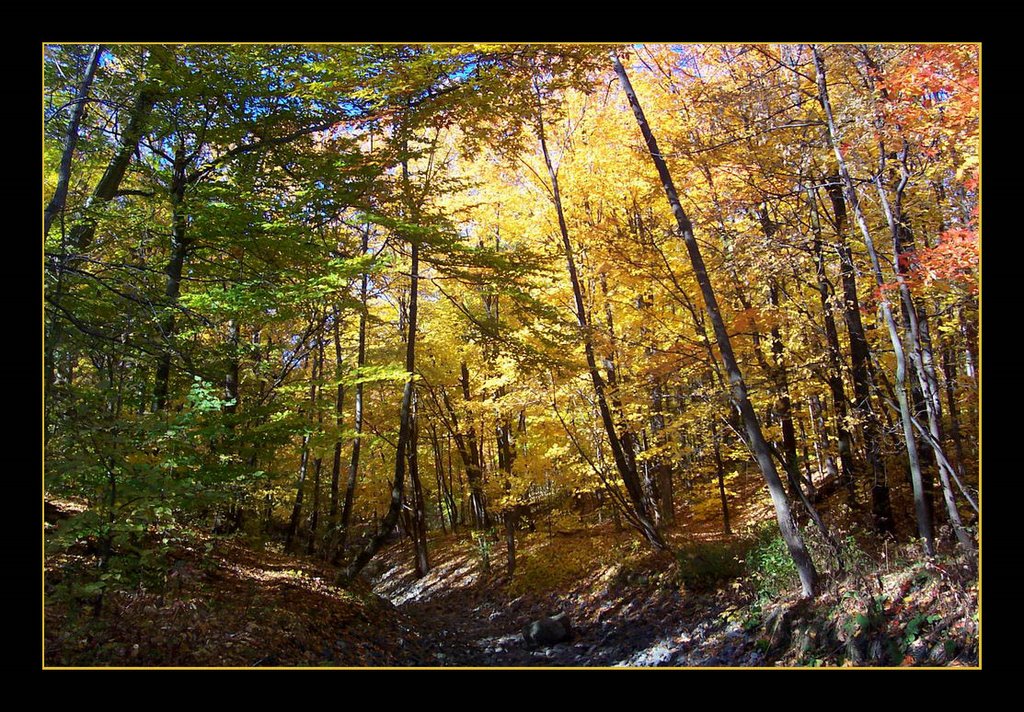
(769, 565)
(705, 565)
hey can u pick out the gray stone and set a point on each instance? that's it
(876, 650)
(939, 655)
(547, 631)
(918, 650)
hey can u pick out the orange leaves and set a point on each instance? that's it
(748, 320)
(954, 260)
(931, 94)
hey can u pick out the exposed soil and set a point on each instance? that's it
(221, 602)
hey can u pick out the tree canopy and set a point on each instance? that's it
(328, 293)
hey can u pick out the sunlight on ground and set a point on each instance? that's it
(399, 586)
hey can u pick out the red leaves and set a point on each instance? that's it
(955, 259)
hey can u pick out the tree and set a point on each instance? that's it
(808, 575)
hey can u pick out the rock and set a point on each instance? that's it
(547, 631)
(856, 649)
(918, 650)
(939, 654)
(876, 650)
(777, 625)
(753, 659)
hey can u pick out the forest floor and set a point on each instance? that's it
(225, 601)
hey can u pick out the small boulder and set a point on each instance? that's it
(547, 630)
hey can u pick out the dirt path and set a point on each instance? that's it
(466, 618)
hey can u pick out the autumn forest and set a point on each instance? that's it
(481, 355)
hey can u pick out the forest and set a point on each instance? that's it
(511, 355)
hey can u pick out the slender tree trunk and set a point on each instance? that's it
(628, 474)
(949, 376)
(231, 376)
(439, 478)
(628, 439)
(860, 366)
(334, 511)
(662, 467)
(510, 513)
(833, 352)
(353, 467)
(785, 404)
(921, 357)
(406, 415)
(60, 194)
(180, 244)
(924, 525)
(720, 471)
(759, 446)
(418, 518)
(969, 328)
(314, 518)
(469, 450)
(314, 515)
(85, 226)
(293, 523)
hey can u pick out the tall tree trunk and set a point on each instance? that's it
(334, 510)
(443, 495)
(406, 415)
(150, 91)
(314, 518)
(60, 194)
(924, 524)
(180, 244)
(510, 512)
(720, 471)
(293, 523)
(314, 515)
(921, 357)
(418, 518)
(834, 376)
(661, 465)
(353, 467)
(860, 365)
(629, 475)
(757, 442)
(949, 376)
(231, 376)
(473, 461)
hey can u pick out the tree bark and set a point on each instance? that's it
(334, 509)
(60, 194)
(314, 518)
(353, 467)
(759, 446)
(924, 524)
(85, 227)
(720, 472)
(860, 365)
(180, 243)
(293, 524)
(387, 525)
(640, 516)
(470, 452)
(418, 516)
(834, 376)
